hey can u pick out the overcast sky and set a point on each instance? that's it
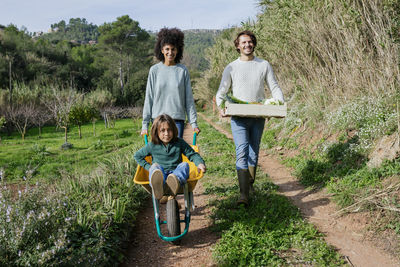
(151, 14)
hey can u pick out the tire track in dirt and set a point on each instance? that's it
(345, 232)
(147, 249)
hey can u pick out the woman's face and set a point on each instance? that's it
(165, 132)
(169, 51)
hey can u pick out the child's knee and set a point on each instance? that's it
(155, 166)
(185, 165)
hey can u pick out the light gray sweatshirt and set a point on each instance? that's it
(169, 91)
(247, 79)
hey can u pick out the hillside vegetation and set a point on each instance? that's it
(338, 65)
(77, 30)
(196, 43)
(117, 63)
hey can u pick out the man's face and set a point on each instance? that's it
(245, 45)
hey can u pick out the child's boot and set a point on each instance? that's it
(173, 183)
(157, 183)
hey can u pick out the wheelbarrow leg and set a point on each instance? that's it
(191, 200)
(188, 196)
(156, 208)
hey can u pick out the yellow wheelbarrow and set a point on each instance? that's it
(173, 218)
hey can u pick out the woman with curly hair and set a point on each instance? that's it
(168, 85)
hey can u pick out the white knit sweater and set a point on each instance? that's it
(247, 79)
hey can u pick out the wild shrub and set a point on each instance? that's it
(369, 117)
(82, 220)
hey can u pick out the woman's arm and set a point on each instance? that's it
(189, 102)
(148, 101)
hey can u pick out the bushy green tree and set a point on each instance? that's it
(14, 45)
(86, 73)
(82, 113)
(77, 29)
(126, 52)
(77, 116)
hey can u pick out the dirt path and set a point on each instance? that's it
(147, 249)
(346, 233)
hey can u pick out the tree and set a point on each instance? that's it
(83, 57)
(78, 29)
(21, 116)
(14, 45)
(123, 46)
(22, 111)
(8, 47)
(80, 114)
(101, 100)
(2, 122)
(42, 116)
(60, 104)
(93, 115)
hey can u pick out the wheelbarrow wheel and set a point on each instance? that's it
(173, 220)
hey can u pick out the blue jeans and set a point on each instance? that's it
(247, 134)
(180, 124)
(181, 171)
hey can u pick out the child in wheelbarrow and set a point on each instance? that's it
(166, 149)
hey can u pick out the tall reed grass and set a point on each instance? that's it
(324, 53)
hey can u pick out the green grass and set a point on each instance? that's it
(340, 165)
(42, 159)
(342, 170)
(270, 232)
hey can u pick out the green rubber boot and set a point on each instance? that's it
(244, 182)
(252, 171)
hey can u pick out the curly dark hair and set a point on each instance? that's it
(173, 36)
(250, 34)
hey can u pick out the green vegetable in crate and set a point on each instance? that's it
(235, 100)
(230, 98)
(273, 101)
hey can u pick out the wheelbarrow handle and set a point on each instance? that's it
(194, 138)
(145, 139)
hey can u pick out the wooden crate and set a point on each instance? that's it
(254, 110)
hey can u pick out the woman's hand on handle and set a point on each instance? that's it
(201, 167)
(143, 132)
(197, 130)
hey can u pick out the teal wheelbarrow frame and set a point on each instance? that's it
(173, 217)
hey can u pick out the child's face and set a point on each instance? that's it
(165, 132)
